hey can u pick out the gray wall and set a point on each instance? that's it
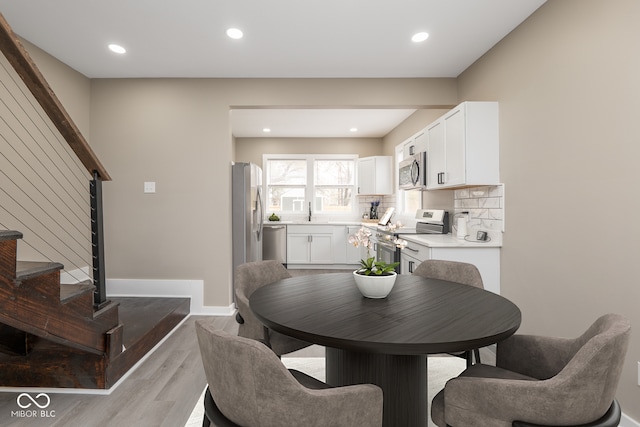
(72, 88)
(252, 149)
(176, 132)
(568, 83)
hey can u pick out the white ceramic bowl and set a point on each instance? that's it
(374, 286)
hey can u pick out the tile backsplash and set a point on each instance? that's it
(486, 209)
(364, 204)
(485, 205)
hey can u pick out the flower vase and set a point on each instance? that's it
(373, 214)
(374, 286)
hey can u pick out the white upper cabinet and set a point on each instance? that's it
(463, 147)
(375, 176)
(416, 144)
(435, 153)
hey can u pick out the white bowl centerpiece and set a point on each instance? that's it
(374, 279)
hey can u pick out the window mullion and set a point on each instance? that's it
(311, 184)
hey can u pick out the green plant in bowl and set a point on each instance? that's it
(370, 267)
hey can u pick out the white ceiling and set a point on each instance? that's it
(283, 38)
(316, 123)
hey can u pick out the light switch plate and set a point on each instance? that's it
(149, 187)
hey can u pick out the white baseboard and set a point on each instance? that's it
(627, 421)
(193, 289)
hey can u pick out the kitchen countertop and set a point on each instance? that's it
(447, 241)
(268, 223)
(429, 240)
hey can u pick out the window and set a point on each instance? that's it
(325, 181)
(334, 185)
(286, 183)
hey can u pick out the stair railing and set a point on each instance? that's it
(97, 243)
(41, 182)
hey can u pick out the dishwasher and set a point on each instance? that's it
(274, 243)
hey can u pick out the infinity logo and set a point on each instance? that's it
(31, 400)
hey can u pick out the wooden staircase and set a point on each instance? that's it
(50, 334)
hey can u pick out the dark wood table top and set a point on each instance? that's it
(420, 316)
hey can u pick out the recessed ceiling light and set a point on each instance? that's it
(117, 48)
(266, 130)
(419, 37)
(353, 130)
(234, 33)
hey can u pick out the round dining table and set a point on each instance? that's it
(386, 341)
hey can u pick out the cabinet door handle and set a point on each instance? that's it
(411, 265)
(441, 178)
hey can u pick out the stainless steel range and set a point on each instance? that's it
(429, 221)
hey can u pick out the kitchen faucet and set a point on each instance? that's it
(309, 211)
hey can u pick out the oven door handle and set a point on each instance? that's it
(387, 244)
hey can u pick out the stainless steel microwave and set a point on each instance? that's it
(413, 172)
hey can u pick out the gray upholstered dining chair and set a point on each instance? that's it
(541, 381)
(453, 271)
(249, 386)
(248, 278)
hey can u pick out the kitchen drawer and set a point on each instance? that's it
(310, 229)
(419, 252)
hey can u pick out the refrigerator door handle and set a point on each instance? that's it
(260, 213)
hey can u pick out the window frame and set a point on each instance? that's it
(310, 186)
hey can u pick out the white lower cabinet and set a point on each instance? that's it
(354, 254)
(486, 259)
(309, 244)
(412, 255)
(322, 244)
(408, 264)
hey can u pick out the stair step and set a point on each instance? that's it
(145, 322)
(106, 309)
(29, 269)
(10, 235)
(70, 291)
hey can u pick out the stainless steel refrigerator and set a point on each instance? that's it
(247, 213)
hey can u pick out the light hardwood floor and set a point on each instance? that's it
(160, 392)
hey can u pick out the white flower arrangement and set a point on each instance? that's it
(369, 266)
(363, 237)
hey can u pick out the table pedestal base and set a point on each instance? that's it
(403, 380)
